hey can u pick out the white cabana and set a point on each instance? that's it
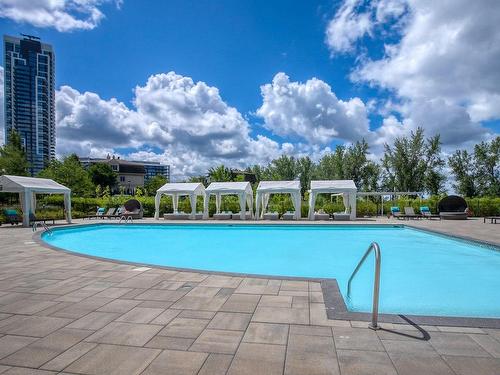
(346, 188)
(28, 187)
(266, 188)
(242, 189)
(175, 190)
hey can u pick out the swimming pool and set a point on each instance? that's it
(422, 273)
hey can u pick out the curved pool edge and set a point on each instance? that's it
(335, 306)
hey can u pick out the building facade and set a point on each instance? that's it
(155, 169)
(131, 174)
(29, 94)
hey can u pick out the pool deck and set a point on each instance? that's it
(68, 314)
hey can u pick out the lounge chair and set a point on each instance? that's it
(248, 216)
(271, 216)
(410, 213)
(426, 213)
(492, 219)
(11, 216)
(396, 212)
(289, 215)
(110, 214)
(176, 216)
(98, 214)
(224, 215)
(452, 207)
(341, 216)
(321, 216)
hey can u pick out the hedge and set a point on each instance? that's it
(51, 205)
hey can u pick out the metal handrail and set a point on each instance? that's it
(376, 282)
(43, 225)
(126, 219)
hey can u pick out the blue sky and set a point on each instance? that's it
(342, 81)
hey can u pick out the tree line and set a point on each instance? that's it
(410, 163)
(98, 180)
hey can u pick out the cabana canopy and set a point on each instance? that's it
(266, 188)
(175, 190)
(242, 189)
(346, 188)
(28, 187)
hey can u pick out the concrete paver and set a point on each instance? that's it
(62, 313)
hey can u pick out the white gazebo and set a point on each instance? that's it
(191, 189)
(28, 187)
(346, 188)
(266, 188)
(242, 189)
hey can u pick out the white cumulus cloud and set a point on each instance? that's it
(311, 111)
(449, 49)
(356, 19)
(440, 65)
(63, 15)
(187, 121)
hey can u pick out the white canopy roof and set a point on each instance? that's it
(229, 188)
(182, 188)
(28, 187)
(20, 184)
(333, 186)
(278, 186)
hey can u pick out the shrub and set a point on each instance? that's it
(484, 206)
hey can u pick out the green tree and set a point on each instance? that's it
(403, 165)
(12, 156)
(140, 192)
(202, 179)
(98, 191)
(220, 174)
(257, 171)
(463, 169)
(434, 177)
(70, 173)
(350, 163)
(305, 168)
(477, 173)
(487, 162)
(154, 183)
(283, 168)
(357, 167)
(413, 164)
(331, 165)
(102, 174)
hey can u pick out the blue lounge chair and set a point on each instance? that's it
(426, 213)
(396, 212)
(11, 216)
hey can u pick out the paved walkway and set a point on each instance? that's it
(61, 313)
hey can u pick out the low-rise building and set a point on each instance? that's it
(131, 174)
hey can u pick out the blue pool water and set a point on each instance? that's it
(422, 273)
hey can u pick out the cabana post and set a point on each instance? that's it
(193, 190)
(242, 189)
(28, 187)
(266, 188)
